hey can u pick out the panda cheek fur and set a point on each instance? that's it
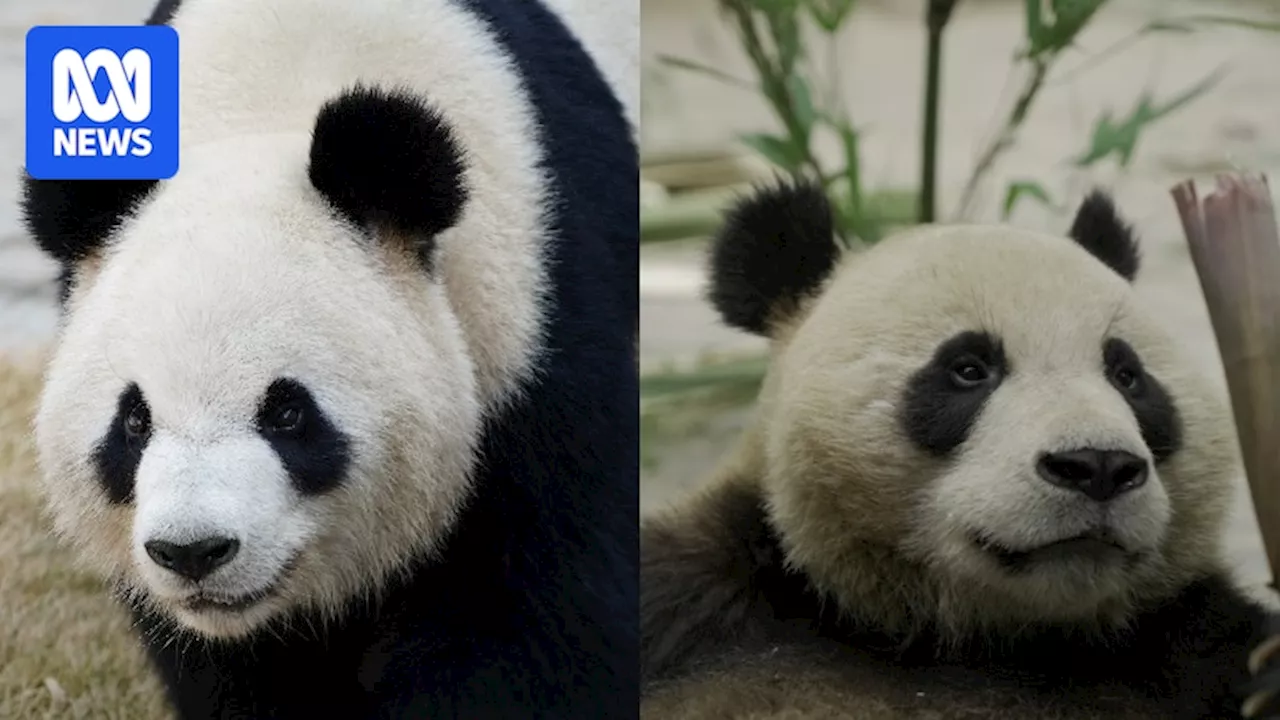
(850, 491)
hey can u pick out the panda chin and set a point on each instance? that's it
(1098, 547)
(226, 617)
(217, 612)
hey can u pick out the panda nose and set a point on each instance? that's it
(1100, 474)
(194, 560)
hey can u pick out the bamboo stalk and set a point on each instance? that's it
(936, 18)
(1235, 248)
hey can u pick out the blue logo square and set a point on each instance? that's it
(102, 102)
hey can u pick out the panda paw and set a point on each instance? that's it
(1263, 699)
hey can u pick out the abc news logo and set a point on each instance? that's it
(102, 102)
(74, 95)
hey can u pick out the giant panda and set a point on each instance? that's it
(979, 483)
(346, 410)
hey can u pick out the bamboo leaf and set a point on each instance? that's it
(776, 150)
(1107, 137)
(1023, 188)
(697, 67)
(775, 7)
(852, 165)
(1167, 25)
(802, 106)
(1195, 91)
(1229, 21)
(1191, 23)
(830, 14)
(786, 37)
(1121, 138)
(1035, 23)
(1070, 17)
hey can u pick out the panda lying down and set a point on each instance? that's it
(980, 483)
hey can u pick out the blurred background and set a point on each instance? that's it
(1035, 102)
(66, 648)
(27, 294)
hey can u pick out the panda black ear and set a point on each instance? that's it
(72, 219)
(775, 247)
(1099, 229)
(389, 160)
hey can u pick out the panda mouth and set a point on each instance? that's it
(219, 603)
(1098, 546)
(208, 602)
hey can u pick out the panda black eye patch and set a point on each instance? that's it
(1157, 416)
(314, 452)
(942, 400)
(118, 453)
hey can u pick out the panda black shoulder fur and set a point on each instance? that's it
(348, 407)
(980, 483)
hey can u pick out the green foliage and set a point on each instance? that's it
(785, 76)
(830, 14)
(769, 32)
(1121, 138)
(707, 70)
(1019, 188)
(739, 377)
(785, 152)
(1192, 22)
(1113, 138)
(675, 405)
(1047, 36)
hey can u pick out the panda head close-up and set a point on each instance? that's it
(256, 405)
(973, 427)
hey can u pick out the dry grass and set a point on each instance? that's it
(66, 650)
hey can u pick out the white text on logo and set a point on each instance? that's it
(74, 95)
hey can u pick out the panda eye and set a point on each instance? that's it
(969, 372)
(1127, 379)
(286, 419)
(137, 424)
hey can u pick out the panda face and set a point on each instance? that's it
(254, 407)
(994, 408)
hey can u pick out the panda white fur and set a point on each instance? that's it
(347, 409)
(980, 483)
